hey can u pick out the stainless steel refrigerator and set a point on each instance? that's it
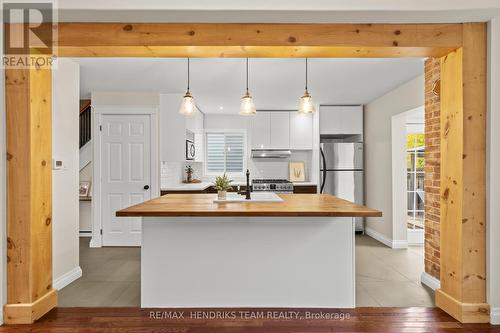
(341, 172)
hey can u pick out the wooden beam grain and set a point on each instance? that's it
(29, 187)
(257, 40)
(463, 179)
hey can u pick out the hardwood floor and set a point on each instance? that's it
(114, 320)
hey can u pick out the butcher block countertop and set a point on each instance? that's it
(172, 205)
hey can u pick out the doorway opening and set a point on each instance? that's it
(415, 173)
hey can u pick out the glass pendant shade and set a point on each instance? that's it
(306, 104)
(247, 107)
(188, 106)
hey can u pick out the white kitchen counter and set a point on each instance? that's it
(187, 187)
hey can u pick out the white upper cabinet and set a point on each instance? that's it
(280, 130)
(341, 119)
(301, 131)
(261, 130)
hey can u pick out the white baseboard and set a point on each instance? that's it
(495, 316)
(430, 281)
(394, 244)
(399, 244)
(67, 278)
(95, 241)
(415, 236)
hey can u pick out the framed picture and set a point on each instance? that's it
(297, 172)
(84, 189)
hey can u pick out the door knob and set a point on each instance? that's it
(146, 187)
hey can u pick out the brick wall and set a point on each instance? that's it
(432, 165)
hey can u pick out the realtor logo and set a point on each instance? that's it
(30, 35)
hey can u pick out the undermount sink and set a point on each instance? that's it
(255, 197)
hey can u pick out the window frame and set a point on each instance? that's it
(245, 151)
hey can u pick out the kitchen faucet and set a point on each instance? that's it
(247, 197)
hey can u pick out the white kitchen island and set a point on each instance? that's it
(295, 253)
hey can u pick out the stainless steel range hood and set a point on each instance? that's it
(271, 153)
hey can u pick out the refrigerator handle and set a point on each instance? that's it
(324, 170)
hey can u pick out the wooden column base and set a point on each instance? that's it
(27, 313)
(463, 312)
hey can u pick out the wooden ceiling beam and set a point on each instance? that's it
(256, 40)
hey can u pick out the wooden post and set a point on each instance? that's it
(29, 215)
(463, 179)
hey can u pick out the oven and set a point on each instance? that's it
(272, 185)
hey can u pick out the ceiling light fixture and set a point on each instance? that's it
(247, 107)
(306, 104)
(188, 106)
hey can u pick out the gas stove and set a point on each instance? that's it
(272, 185)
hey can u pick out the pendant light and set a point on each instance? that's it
(188, 106)
(306, 104)
(247, 107)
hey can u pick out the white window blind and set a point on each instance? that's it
(225, 152)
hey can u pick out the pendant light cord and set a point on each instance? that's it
(188, 74)
(306, 74)
(247, 74)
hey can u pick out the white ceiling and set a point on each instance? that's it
(281, 4)
(313, 11)
(274, 83)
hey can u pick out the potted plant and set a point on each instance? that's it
(222, 184)
(189, 173)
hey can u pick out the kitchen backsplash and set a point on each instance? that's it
(278, 168)
(174, 172)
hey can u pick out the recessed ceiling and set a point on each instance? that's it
(219, 83)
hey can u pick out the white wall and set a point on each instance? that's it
(172, 129)
(378, 150)
(493, 176)
(125, 98)
(65, 128)
(399, 187)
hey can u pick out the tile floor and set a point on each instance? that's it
(387, 277)
(111, 277)
(384, 277)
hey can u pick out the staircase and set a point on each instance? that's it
(85, 133)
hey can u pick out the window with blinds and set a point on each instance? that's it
(225, 152)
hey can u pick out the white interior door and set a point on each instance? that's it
(126, 175)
